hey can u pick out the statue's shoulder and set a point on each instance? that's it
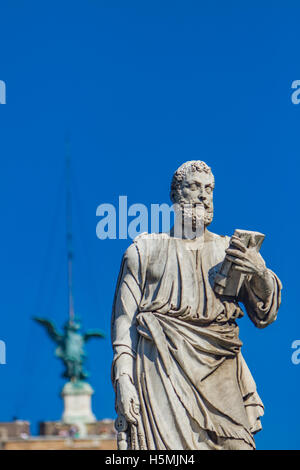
(147, 244)
(139, 245)
(209, 236)
(151, 236)
(219, 239)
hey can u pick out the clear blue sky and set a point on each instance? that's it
(142, 86)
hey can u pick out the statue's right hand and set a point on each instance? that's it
(127, 400)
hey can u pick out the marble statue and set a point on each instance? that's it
(179, 376)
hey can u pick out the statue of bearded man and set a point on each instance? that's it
(180, 379)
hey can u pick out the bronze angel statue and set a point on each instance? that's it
(70, 345)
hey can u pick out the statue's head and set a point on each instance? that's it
(73, 325)
(192, 191)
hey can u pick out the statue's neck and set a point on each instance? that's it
(188, 233)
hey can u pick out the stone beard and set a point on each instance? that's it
(180, 379)
(191, 219)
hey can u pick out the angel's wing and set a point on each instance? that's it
(50, 328)
(93, 334)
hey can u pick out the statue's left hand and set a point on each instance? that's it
(246, 260)
(249, 262)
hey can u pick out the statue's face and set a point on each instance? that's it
(72, 326)
(195, 196)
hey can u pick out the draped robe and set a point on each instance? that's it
(179, 343)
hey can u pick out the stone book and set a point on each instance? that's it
(228, 281)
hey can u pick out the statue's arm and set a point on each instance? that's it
(261, 291)
(124, 332)
(261, 295)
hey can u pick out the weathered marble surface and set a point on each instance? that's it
(179, 375)
(78, 405)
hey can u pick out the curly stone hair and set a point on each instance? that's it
(181, 172)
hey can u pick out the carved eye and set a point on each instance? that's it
(208, 189)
